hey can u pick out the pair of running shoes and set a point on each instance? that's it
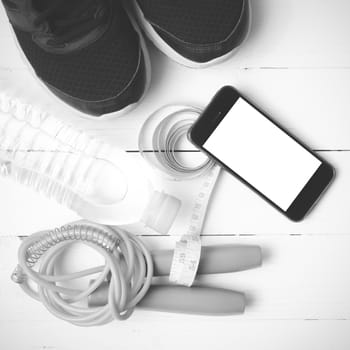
(92, 53)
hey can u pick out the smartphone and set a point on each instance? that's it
(259, 152)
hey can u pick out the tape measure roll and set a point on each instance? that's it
(160, 141)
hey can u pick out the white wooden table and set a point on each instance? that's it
(296, 66)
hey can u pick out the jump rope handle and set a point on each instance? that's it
(214, 259)
(179, 299)
(195, 300)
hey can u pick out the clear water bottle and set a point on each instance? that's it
(100, 182)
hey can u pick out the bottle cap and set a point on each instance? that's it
(161, 212)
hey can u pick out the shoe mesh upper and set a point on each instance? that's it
(194, 21)
(97, 72)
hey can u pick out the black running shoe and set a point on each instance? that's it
(87, 52)
(194, 32)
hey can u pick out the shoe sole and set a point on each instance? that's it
(169, 51)
(106, 116)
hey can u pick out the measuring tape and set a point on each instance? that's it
(159, 143)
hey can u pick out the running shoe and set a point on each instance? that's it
(195, 33)
(87, 52)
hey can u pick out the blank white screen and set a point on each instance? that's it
(262, 154)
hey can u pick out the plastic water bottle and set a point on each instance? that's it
(100, 182)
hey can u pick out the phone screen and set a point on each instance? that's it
(262, 154)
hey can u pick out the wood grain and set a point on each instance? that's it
(234, 208)
(302, 278)
(295, 66)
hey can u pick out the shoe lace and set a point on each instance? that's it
(69, 22)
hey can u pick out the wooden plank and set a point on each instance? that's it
(302, 278)
(234, 208)
(288, 33)
(279, 91)
(237, 209)
(177, 333)
(296, 285)
(297, 33)
(311, 104)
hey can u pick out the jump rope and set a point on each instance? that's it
(125, 280)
